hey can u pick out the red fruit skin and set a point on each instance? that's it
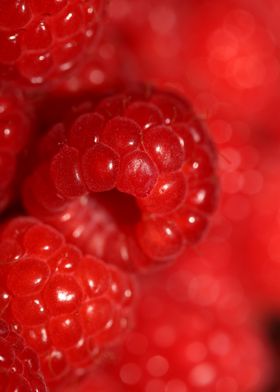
(19, 368)
(137, 174)
(16, 131)
(71, 309)
(41, 41)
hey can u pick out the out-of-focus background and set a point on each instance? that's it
(212, 322)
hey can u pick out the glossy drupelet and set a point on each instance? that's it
(42, 39)
(19, 364)
(15, 134)
(69, 308)
(150, 167)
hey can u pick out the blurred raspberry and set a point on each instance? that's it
(194, 333)
(221, 54)
(153, 26)
(249, 208)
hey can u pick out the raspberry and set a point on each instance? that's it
(15, 133)
(19, 365)
(69, 308)
(194, 332)
(150, 167)
(41, 40)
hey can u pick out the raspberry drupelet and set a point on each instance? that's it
(133, 180)
(15, 134)
(42, 39)
(19, 364)
(70, 308)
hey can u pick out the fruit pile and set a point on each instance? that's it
(139, 197)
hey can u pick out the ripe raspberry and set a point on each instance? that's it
(150, 167)
(15, 133)
(193, 333)
(41, 40)
(19, 364)
(69, 308)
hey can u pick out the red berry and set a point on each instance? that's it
(194, 332)
(142, 143)
(19, 364)
(42, 40)
(60, 301)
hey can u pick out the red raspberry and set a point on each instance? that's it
(150, 167)
(70, 308)
(193, 333)
(42, 39)
(19, 364)
(15, 133)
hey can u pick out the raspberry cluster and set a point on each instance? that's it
(118, 272)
